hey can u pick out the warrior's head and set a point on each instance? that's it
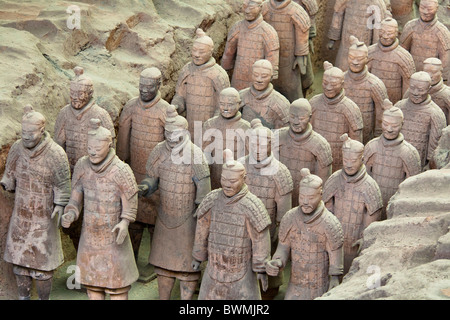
(428, 9)
(233, 174)
(202, 48)
(176, 127)
(299, 115)
(229, 102)
(33, 127)
(433, 66)
(388, 31)
(149, 84)
(81, 89)
(310, 191)
(332, 81)
(260, 141)
(419, 87)
(358, 55)
(392, 121)
(352, 155)
(262, 74)
(252, 9)
(99, 141)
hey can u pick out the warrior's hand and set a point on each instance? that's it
(358, 243)
(301, 62)
(122, 227)
(58, 212)
(67, 218)
(264, 280)
(143, 189)
(273, 267)
(195, 264)
(330, 45)
(334, 282)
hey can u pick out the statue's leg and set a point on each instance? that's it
(187, 289)
(24, 284)
(44, 287)
(165, 286)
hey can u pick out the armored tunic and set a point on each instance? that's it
(107, 193)
(292, 24)
(315, 245)
(440, 94)
(394, 66)
(358, 18)
(233, 235)
(369, 93)
(72, 126)
(312, 8)
(175, 225)
(271, 107)
(350, 199)
(390, 162)
(331, 118)
(41, 179)
(141, 128)
(426, 40)
(423, 124)
(306, 150)
(197, 91)
(247, 43)
(219, 134)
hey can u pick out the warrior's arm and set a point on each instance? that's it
(123, 137)
(260, 248)
(200, 249)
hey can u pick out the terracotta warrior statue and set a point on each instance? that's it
(389, 159)
(301, 147)
(141, 128)
(423, 119)
(72, 126)
(312, 8)
(312, 238)
(199, 84)
(250, 40)
(271, 181)
(365, 89)
(105, 187)
(292, 23)
(426, 37)
(225, 131)
(391, 62)
(37, 170)
(233, 236)
(442, 152)
(262, 101)
(359, 18)
(178, 168)
(439, 92)
(403, 11)
(333, 114)
(353, 197)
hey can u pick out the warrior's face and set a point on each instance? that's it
(80, 95)
(251, 9)
(260, 146)
(174, 138)
(418, 91)
(434, 71)
(98, 149)
(31, 135)
(428, 10)
(232, 182)
(228, 105)
(261, 78)
(200, 53)
(148, 89)
(391, 127)
(299, 119)
(309, 199)
(357, 60)
(332, 86)
(352, 162)
(388, 34)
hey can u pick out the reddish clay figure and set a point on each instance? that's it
(233, 235)
(423, 119)
(262, 101)
(365, 89)
(439, 92)
(353, 197)
(72, 126)
(105, 188)
(271, 181)
(426, 37)
(312, 238)
(292, 23)
(225, 131)
(389, 159)
(250, 40)
(141, 128)
(442, 152)
(178, 168)
(403, 11)
(301, 147)
(38, 171)
(333, 114)
(390, 62)
(359, 18)
(199, 84)
(312, 8)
